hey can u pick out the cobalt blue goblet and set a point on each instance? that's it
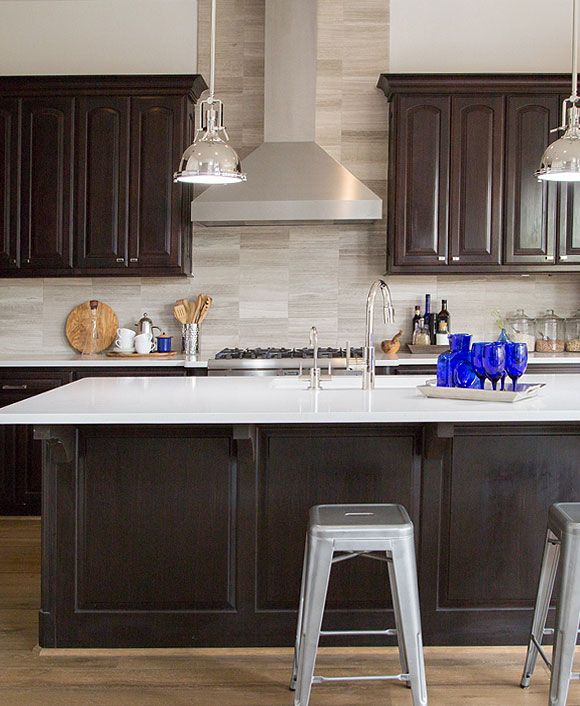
(494, 361)
(516, 361)
(477, 362)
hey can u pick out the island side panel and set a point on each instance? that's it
(485, 502)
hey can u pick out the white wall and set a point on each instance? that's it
(480, 35)
(98, 36)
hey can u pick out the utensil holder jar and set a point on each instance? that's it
(191, 339)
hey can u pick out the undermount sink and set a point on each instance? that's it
(382, 382)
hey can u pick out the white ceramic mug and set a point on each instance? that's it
(144, 343)
(125, 340)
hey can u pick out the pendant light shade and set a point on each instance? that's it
(210, 160)
(561, 159)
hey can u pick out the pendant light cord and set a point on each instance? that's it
(212, 49)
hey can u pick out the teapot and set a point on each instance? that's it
(146, 325)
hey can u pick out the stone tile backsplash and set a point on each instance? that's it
(270, 285)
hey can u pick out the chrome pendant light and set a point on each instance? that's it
(210, 160)
(561, 160)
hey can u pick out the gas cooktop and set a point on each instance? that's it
(285, 353)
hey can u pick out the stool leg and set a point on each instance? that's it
(397, 612)
(300, 618)
(405, 574)
(567, 619)
(315, 589)
(543, 598)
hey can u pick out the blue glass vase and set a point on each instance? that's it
(448, 361)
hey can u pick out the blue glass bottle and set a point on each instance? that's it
(460, 344)
(448, 361)
(443, 368)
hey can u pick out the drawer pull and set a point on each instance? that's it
(455, 258)
(441, 258)
(15, 387)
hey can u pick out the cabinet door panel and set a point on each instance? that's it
(422, 181)
(568, 240)
(569, 230)
(8, 184)
(102, 173)
(46, 183)
(20, 453)
(157, 136)
(530, 204)
(477, 125)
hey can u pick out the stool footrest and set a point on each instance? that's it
(390, 631)
(392, 677)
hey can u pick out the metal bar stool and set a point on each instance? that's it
(561, 555)
(359, 530)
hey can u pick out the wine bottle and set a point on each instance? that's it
(415, 319)
(443, 325)
(430, 319)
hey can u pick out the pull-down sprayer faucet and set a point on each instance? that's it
(388, 316)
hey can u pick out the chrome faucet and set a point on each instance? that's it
(388, 316)
(315, 369)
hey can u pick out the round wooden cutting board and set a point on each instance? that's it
(78, 321)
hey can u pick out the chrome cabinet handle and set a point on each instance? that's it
(441, 258)
(133, 259)
(15, 387)
(549, 257)
(455, 258)
(563, 257)
(120, 259)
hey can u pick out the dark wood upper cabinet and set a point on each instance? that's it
(419, 183)
(463, 197)
(102, 164)
(46, 184)
(476, 179)
(9, 253)
(530, 205)
(86, 174)
(159, 129)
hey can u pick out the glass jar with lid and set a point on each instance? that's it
(521, 328)
(573, 333)
(550, 333)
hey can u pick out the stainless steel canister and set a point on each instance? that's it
(191, 339)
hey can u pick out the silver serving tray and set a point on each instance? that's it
(523, 391)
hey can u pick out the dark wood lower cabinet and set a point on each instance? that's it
(194, 536)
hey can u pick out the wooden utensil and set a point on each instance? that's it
(205, 308)
(180, 313)
(79, 321)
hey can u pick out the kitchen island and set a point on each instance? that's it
(174, 509)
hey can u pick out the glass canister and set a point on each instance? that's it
(550, 333)
(521, 328)
(573, 333)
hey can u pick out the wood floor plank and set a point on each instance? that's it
(467, 676)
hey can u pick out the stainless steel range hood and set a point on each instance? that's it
(290, 177)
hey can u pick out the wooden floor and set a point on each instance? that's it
(242, 677)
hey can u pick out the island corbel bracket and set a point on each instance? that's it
(61, 441)
(243, 432)
(436, 440)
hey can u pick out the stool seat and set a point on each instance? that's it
(565, 517)
(360, 521)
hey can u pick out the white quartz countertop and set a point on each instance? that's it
(247, 400)
(74, 360)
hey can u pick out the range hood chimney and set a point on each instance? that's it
(290, 177)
